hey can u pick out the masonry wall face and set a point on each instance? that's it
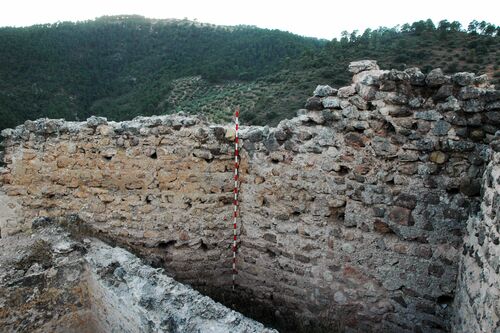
(143, 186)
(478, 292)
(352, 214)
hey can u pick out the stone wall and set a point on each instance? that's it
(352, 214)
(128, 296)
(477, 301)
(139, 181)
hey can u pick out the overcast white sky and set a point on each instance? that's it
(319, 18)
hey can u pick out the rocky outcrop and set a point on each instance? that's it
(352, 214)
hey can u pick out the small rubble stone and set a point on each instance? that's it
(368, 78)
(438, 157)
(436, 270)
(94, 121)
(204, 154)
(355, 140)
(230, 134)
(399, 111)
(314, 103)
(415, 102)
(366, 92)
(417, 78)
(270, 237)
(346, 91)
(358, 102)
(331, 102)
(348, 248)
(254, 135)
(363, 65)
(473, 105)
(470, 92)
(463, 78)
(441, 128)
(401, 215)
(443, 92)
(451, 104)
(383, 147)
(470, 187)
(340, 297)
(436, 77)
(431, 115)
(397, 75)
(324, 90)
(406, 200)
(63, 247)
(382, 227)
(396, 98)
(493, 106)
(317, 117)
(387, 85)
(481, 80)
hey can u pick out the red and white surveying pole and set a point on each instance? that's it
(236, 182)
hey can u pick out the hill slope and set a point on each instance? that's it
(121, 67)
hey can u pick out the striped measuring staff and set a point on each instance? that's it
(236, 182)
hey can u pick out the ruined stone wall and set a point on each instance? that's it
(477, 302)
(58, 282)
(352, 214)
(146, 182)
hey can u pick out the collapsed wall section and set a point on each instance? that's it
(352, 213)
(54, 282)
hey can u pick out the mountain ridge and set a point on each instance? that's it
(124, 66)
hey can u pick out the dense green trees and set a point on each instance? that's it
(121, 67)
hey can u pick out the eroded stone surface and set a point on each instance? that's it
(478, 293)
(11, 221)
(42, 290)
(135, 294)
(53, 283)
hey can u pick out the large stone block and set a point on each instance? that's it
(363, 65)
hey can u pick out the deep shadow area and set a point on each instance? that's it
(241, 299)
(51, 282)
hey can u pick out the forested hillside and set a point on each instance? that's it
(121, 67)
